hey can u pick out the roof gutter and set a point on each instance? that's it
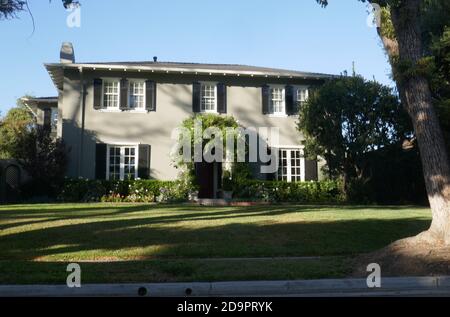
(25, 100)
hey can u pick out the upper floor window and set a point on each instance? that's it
(136, 94)
(208, 97)
(277, 101)
(111, 90)
(301, 97)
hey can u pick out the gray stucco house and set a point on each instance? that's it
(118, 117)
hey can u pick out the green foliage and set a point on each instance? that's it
(440, 81)
(44, 159)
(228, 128)
(85, 190)
(14, 126)
(348, 117)
(300, 192)
(227, 182)
(207, 121)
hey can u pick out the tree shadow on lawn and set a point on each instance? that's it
(190, 212)
(160, 237)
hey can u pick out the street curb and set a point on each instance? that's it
(390, 286)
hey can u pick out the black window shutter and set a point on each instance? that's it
(221, 98)
(100, 161)
(124, 94)
(265, 99)
(150, 95)
(311, 170)
(98, 91)
(144, 161)
(47, 118)
(289, 99)
(196, 87)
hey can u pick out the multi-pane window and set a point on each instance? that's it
(129, 164)
(277, 100)
(114, 162)
(301, 97)
(54, 118)
(289, 165)
(122, 162)
(208, 97)
(283, 165)
(136, 94)
(111, 93)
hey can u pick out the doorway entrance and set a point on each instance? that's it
(209, 176)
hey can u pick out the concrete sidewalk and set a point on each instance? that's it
(398, 286)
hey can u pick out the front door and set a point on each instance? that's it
(208, 178)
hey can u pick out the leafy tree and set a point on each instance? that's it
(44, 159)
(17, 123)
(401, 32)
(348, 117)
(436, 35)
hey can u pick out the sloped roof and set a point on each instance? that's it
(56, 69)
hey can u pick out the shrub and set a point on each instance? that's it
(84, 190)
(77, 190)
(300, 192)
(227, 182)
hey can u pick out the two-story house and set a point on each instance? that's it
(118, 117)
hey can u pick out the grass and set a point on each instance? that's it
(143, 243)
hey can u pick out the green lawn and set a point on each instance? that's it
(173, 242)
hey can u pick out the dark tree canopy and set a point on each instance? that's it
(10, 8)
(360, 128)
(349, 117)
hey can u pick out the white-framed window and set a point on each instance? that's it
(208, 97)
(136, 94)
(301, 95)
(121, 162)
(54, 118)
(111, 93)
(291, 165)
(277, 101)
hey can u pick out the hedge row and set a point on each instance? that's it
(300, 192)
(83, 190)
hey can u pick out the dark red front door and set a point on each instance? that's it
(208, 175)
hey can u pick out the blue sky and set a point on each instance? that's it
(292, 34)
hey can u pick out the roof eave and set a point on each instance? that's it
(56, 71)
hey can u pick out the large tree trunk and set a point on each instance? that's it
(416, 95)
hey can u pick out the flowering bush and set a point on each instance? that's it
(84, 190)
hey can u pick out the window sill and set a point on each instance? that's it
(277, 115)
(125, 110)
(110, 110)
(136, 111)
